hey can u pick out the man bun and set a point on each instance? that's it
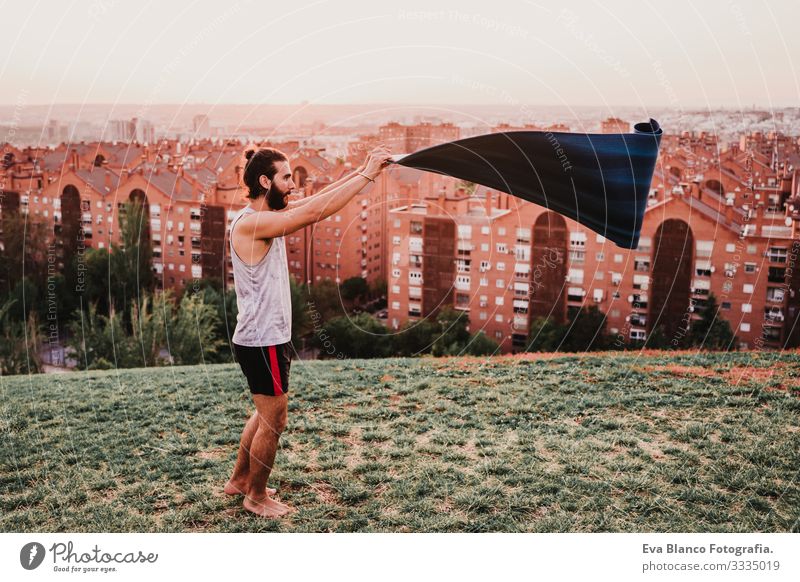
(249, 154)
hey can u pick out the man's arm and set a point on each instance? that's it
(326, 189)
(267, 224)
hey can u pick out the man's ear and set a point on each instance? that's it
(264, 181)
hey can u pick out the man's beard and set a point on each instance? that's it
(275, 198)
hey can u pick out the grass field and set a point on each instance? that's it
(627, 442)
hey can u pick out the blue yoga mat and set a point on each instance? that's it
(600, 180)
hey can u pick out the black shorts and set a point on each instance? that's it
(266, 367)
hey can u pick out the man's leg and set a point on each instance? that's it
(238, 483)
(272, 417)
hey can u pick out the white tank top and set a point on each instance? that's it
(263, 297)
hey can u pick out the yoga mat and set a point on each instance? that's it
(600, 180)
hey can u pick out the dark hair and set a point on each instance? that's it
(258, 163)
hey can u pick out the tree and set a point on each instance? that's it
(20, 340)
(657, 340)
(131, 261)
(453, 334)
(711, 331)
(324, 301)
(191, 331)
(301, 322)
(357, 337)
(545, 335)
(187, 331)
(586, 331)
(415, 337)
(482, 345)
(354, 289)
(25, 251)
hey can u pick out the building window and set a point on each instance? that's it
(749, 267)
(641, 264)
(601, 256)
(775, 294)
(500, 284)
(577, 256)
(641, 282)
(704, 248)
(747, 308)
(730, 247)
(744, 327)
(617, 258)
(416, 227)
(726, 305)
(577, 239)
(777, 254)
(702, 268)
(747, 288)
(645, 243)
(502, 248)
(575, 276)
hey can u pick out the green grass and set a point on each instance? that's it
(612, 442)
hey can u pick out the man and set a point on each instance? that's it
(262, 339)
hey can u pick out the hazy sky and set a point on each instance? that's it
(682, 53)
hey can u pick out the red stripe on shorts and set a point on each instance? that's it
(276, 371)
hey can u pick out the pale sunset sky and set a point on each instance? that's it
(686, 53)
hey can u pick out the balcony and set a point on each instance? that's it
(776, 275)
(774, 315)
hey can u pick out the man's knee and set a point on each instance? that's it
(275, 424)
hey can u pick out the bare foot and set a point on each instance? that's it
(266, 507)
(238, 488)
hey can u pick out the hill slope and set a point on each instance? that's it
(603, 442)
